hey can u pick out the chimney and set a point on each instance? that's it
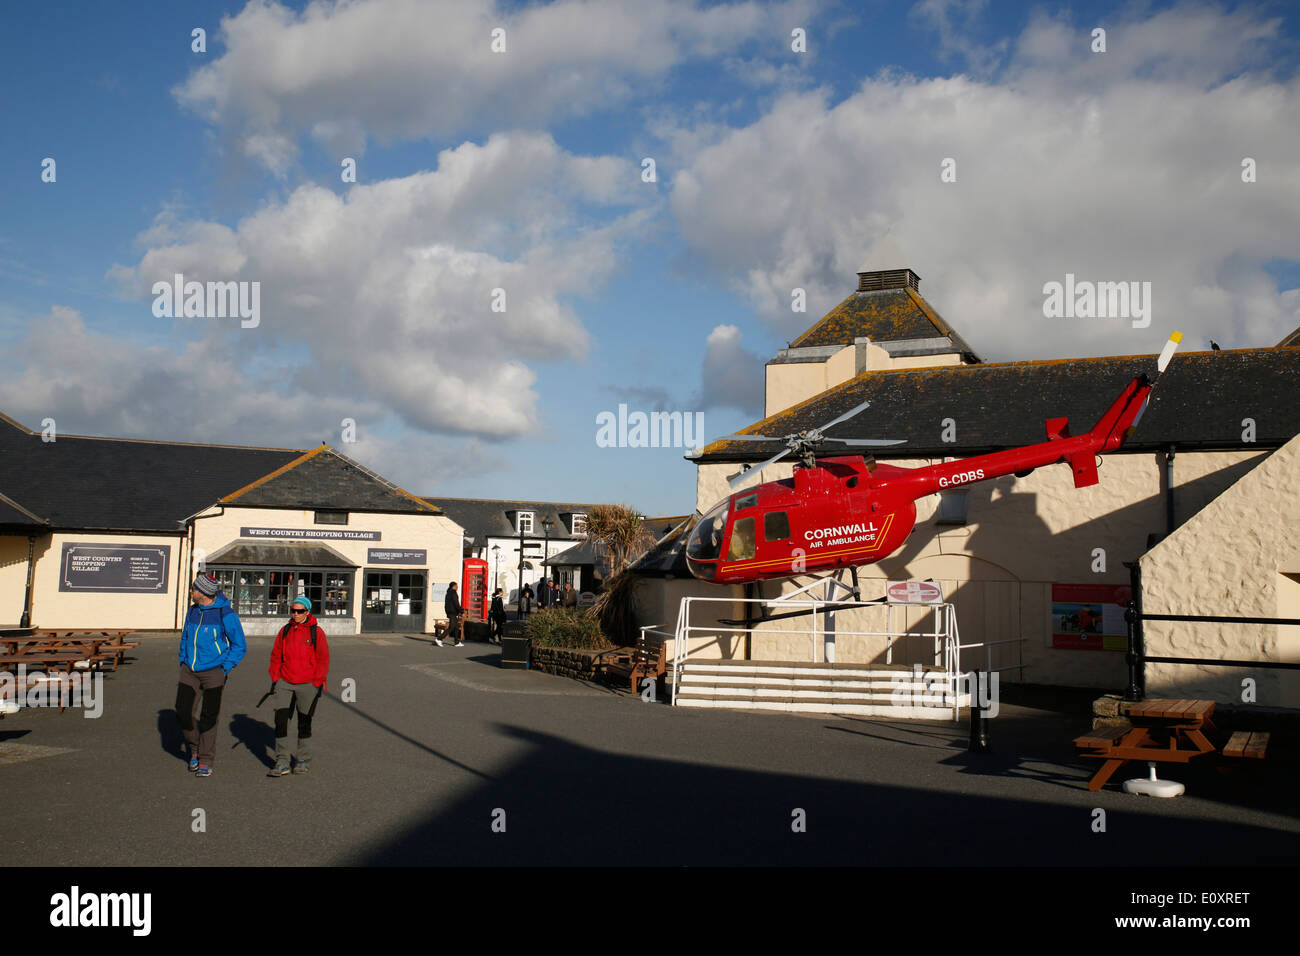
(888, 279)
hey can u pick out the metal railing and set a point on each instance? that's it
(1137, 657)
(946, 651)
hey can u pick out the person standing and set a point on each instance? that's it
(526, 600)
(300, 664)
(497, 615)
(543, 595)
(570, 597)
(451, 604)
(212, 645)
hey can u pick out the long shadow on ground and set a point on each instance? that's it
(567, 804)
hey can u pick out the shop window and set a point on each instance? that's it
(268, 592)
(952, 508)
(331, 517)
(776, 526)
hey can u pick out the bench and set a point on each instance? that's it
(1248, 744)
(1102, 738)
(647, 659)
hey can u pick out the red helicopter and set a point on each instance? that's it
(842, 512)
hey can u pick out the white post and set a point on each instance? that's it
(828, 622)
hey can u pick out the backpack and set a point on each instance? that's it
(311, 641)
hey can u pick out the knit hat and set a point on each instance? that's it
(304, 601)
(206, 585)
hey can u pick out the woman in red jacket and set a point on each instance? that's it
(300, 662)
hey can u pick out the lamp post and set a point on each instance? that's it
(519, 611)
(546, 553)
(496, 566)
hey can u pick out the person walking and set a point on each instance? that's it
(451, 604)
(497, 615)
(212, 645)
(300, 664)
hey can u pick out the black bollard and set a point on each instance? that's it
(979, 724)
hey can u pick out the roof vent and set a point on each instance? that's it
(888, 279)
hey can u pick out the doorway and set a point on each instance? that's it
(393, 601)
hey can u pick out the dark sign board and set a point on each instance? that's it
(396, 556)
(310, 534)
(115, 568)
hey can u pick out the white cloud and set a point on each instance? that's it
(91, 383)
(1124, 166)
(409, 69)
(389, 288)
(731, 376)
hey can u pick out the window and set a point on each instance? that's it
(746, 502)
(579, 524)
(776, 526)
(331, 517)
(952, 508)
(267, 592)
(525, 523)
(742, 540)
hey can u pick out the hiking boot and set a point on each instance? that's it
(279, 770)
(302, 766)
(203, 770)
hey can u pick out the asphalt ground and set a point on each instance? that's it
(445, 759)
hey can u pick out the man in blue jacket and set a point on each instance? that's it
(212, 643)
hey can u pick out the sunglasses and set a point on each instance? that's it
(298, 610)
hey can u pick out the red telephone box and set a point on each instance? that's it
(474, 597)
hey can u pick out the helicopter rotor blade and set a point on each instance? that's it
(745, 477)
(845, 417)
(869, 442)
(753, 438)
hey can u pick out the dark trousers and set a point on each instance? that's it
(198, 705)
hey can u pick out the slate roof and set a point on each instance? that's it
(14, 516)
(887, 315)
(327, 480)
(292, 554)
(667, 559)
(1200, 403)
(78, 482)
(486, 517)
(593, 552)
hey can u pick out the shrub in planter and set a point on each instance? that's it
(566, 627)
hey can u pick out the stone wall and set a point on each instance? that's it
(568, 662)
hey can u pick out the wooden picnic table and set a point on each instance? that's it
(1160, 730)
(95, 646)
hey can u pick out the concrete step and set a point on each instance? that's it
(812, 696)
(824, 707)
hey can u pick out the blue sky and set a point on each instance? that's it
(522, 170)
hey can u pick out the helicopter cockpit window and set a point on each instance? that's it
(776, 526)
(746, 502)
(705, 543)
(742, 540)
